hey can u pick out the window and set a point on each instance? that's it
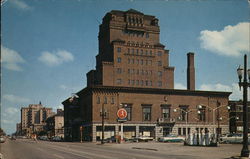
(137, 52)
(150, 62)
(150, 83)
(141, 52)
(119, 60)
(112, 100)
(129, 82)
(141, 61)
(133, 61)
(150, 53)
(146, 83)
(128, 61)
(137, 82)
(98, 100)
(179, 131)
(142, 72)
(159, 73)
(142, 82)
(137, 61)
(146, 72)
(146, 62)
(119, 81)
(146, 52)
(146, 113)
(202, 114)
(119, 49)
(133, 51)
(159, 63)
(183, 113)
(147, 35)
(128, 50)
(128, 71)
(129, 112)
(165, 112)
(159, 53)
(133, 82)
(118, 70)
(105, 100)
(159, 83)
(137, 72)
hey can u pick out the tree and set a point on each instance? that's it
(2, 133)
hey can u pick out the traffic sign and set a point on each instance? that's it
(122, 114)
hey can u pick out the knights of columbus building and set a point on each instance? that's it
(133, 72)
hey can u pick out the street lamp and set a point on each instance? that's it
(103, 114)
(213, 110)
(186, 117)
(245, 85)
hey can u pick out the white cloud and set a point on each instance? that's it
(231, 41)
(11, 59)
(7, 121)
(11, 110)
(179, 86)
(15, 99)
(20, 5)
(234, 88)
(56, 58)
(63, 87)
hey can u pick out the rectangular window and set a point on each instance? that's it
(141, 52)
(142, 82)
(159, 73)
(159, 63)
(159, 83)
(150, 53)
(118, 70)
(133, 82)
(165, 112)
(141, 61)
(133, 51)
(137, 61)
(183, 113)
(159, 53)
(137, 72)
(179, 131)
(147, 35)
(128, 61)
(150, 83)
(146, 83)
(128, 50)
(105, 100)
(146, 62)
(137, 82)
(119, 60)
(137, 52)
(129, 112)
(133, 61)
(129, 82)
(119, 81)
(146, 52)
(112, 100)
(202, 114)
(119, 49)
(128, 71)
(146, 113)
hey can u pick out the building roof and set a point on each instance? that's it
(151, 91)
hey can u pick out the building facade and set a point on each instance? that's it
(133, 72)
(236, 116)
(55, 124)
(33, 118)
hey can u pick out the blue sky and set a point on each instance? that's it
(48, 46)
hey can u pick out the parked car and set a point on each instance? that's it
(43, 138)
(2, 139)
(56, 138)
(171, 138)
(231, 138)
(145, 138)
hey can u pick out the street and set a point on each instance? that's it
(29, 149)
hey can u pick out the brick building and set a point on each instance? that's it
(133, 72)
(54, 124)
(33, 118)
(236, 116)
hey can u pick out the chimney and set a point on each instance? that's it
(190, 71)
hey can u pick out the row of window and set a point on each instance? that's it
(139, 52)
(139, 82)
(136, 34)
(137, 61)
(139, 72)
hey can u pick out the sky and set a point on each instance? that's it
(48, 46)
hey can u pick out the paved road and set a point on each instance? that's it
(28, 149)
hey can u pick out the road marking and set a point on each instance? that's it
(58, 156)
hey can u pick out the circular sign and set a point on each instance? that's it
(122, 113)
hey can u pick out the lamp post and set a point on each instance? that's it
(213, 110)
(245, 85)
(103, 115)
(186, 118)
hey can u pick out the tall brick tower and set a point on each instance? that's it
(130, 53)
(190, 71)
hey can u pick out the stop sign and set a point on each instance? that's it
(122, 113)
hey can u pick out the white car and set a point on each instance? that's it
(171, 138)
(231, 138)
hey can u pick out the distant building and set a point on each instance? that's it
(55, 124)
(133, 72)
(18, 129)
(33, 118)
(236, 116)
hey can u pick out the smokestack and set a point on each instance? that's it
(190, 71)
